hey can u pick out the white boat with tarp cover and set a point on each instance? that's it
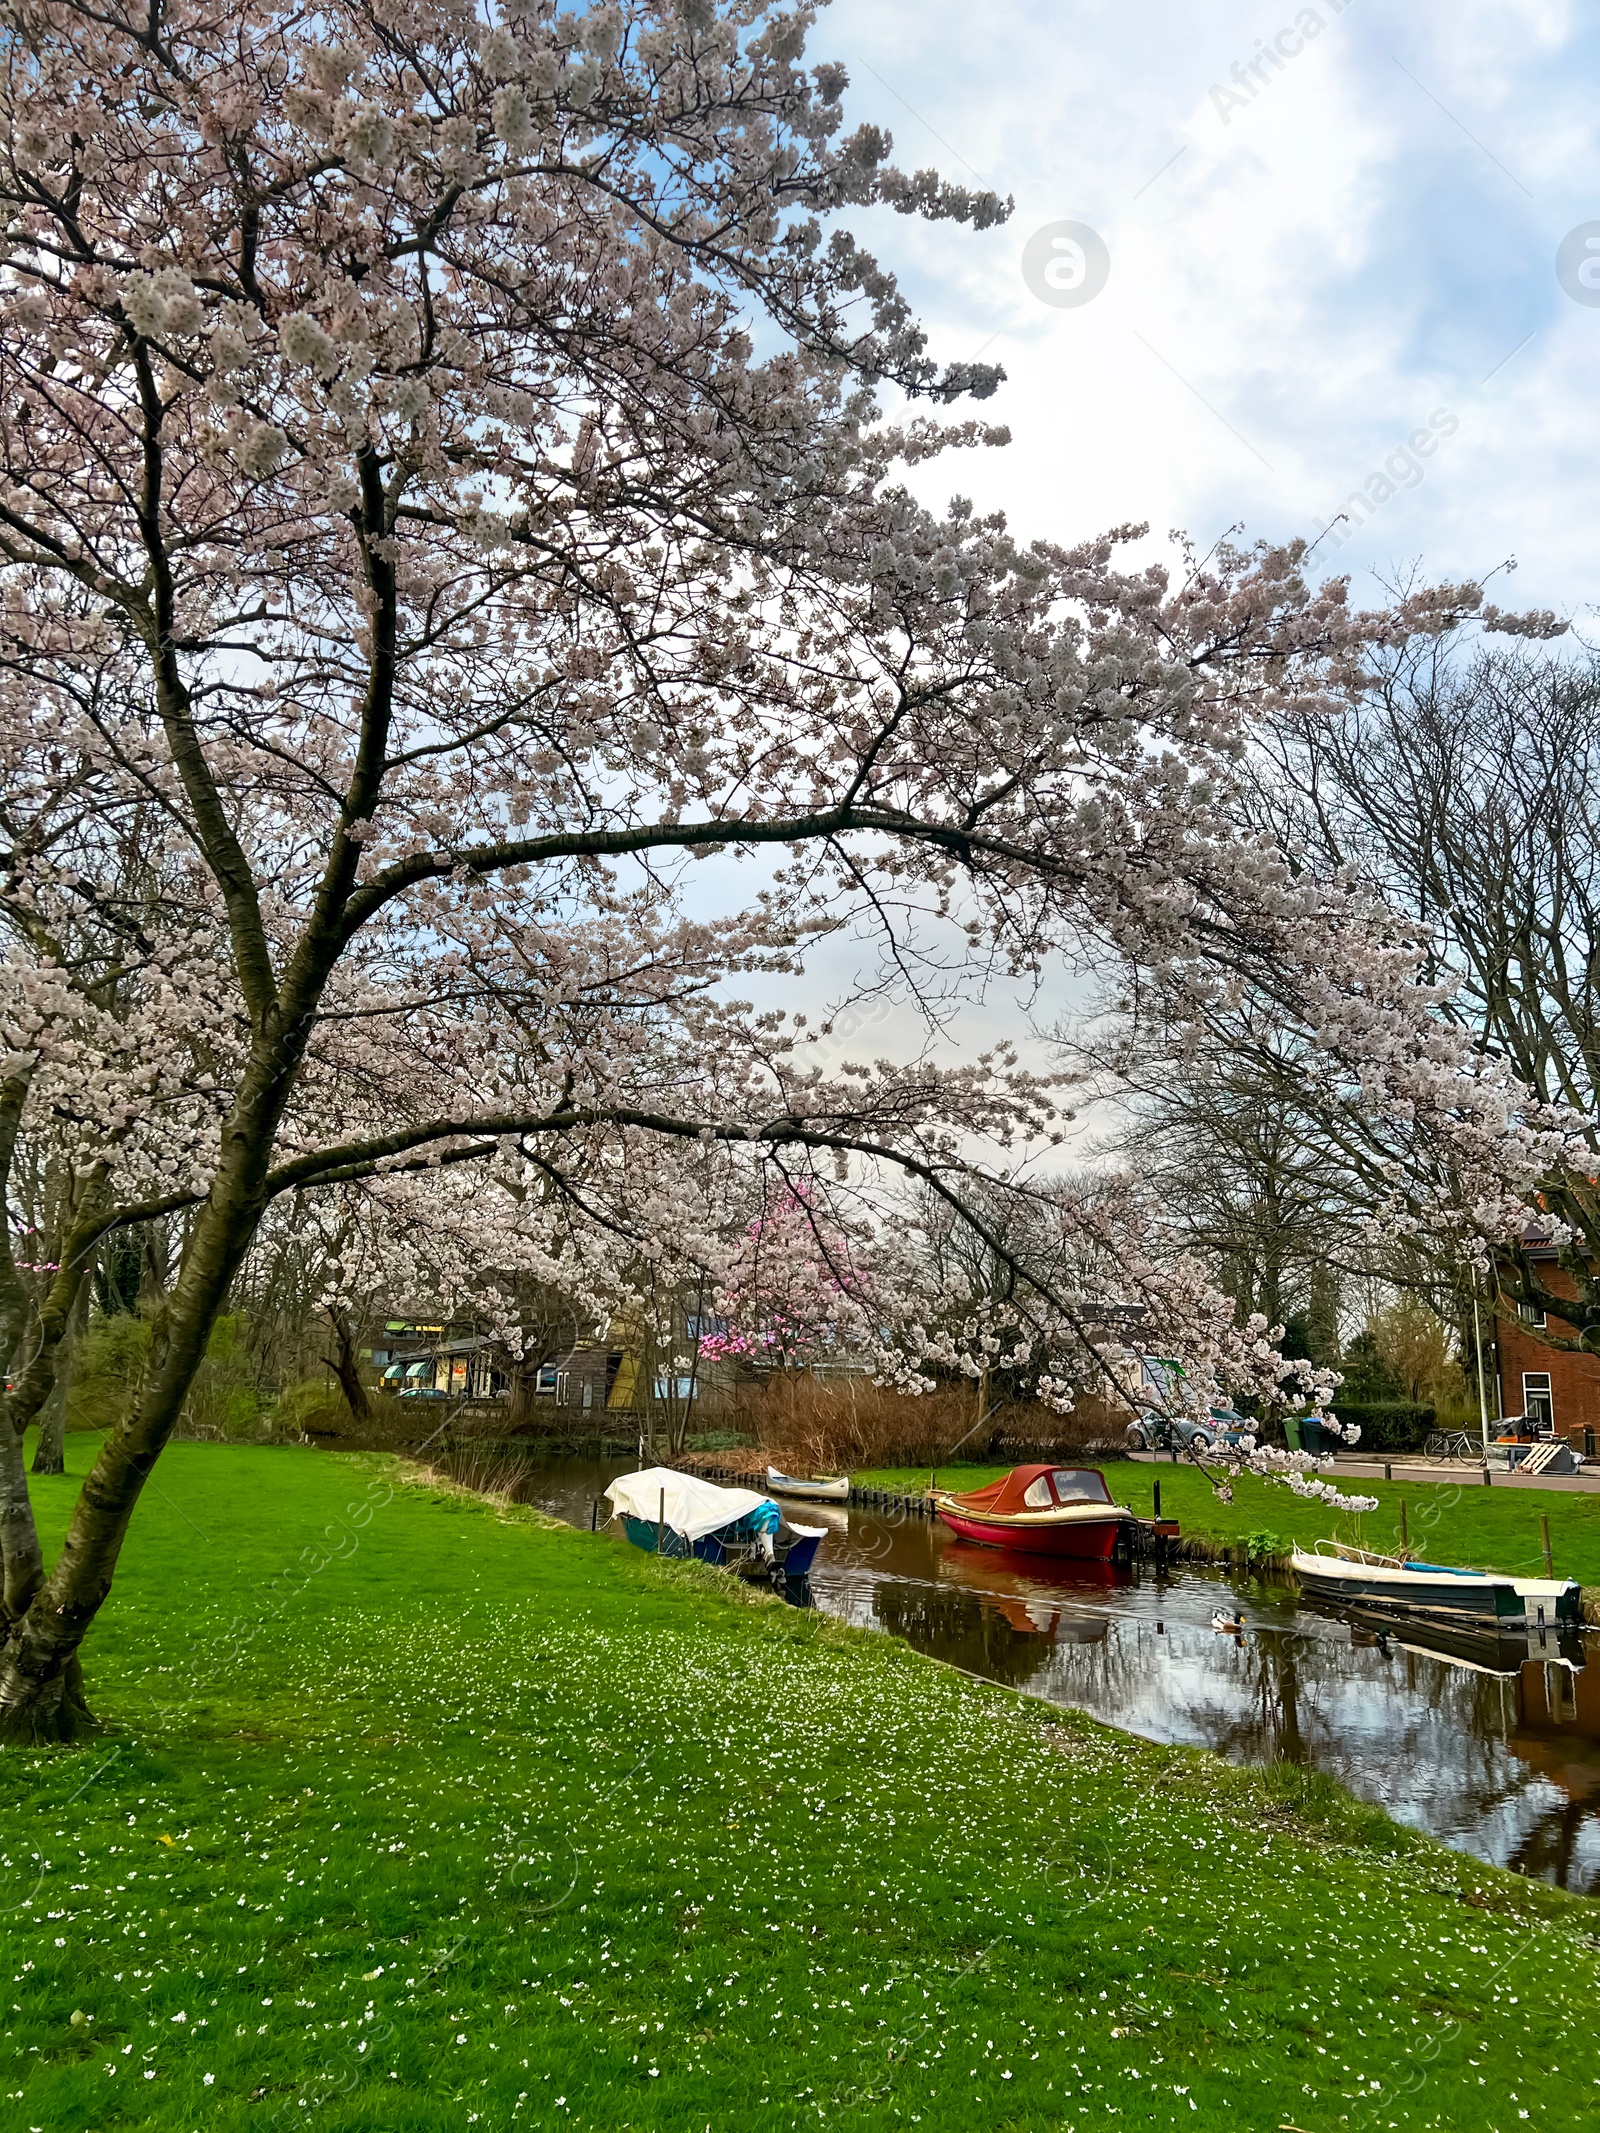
(1437, 1592)
(668, 1513)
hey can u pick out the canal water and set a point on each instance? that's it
(1495, 1749)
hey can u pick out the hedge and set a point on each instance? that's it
(1388, 1425)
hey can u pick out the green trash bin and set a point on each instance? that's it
(1291, 1433)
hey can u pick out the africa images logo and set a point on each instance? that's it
(1250, 76)
(1066, 264)
(1578, 263)
(1402, 469)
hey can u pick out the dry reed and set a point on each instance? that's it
(837, 1425)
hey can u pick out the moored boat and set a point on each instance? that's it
(668, 1513)
(827, 1488)
(1552, 1602)
(1040, 1510)
(1437, 1592)
(796, 1547)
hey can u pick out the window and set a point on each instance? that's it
(1080, 1487)
(1537, 1404)
(1529, 1316)
(1036, 1497)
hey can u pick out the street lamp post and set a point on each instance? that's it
(1483, 1395)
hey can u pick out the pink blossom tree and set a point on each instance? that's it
(442, 497)
(794, 1288)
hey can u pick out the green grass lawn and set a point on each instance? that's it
(412, 1811)
(1457, 1521)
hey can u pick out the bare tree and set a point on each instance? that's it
(1255, 1191)
(1468, 795)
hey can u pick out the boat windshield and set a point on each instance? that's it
(1080, 1485)
(1036, 1496)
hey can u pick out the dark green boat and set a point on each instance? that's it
(1436, 1592)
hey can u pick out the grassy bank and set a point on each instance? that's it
(413, 1811)
(1454, 1521)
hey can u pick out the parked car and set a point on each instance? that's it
(1165, 1433)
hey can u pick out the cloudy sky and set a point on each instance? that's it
(1307, 266)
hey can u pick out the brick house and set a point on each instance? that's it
(1552, 1384)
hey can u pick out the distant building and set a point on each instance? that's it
(417, 1360)
(438, 1362)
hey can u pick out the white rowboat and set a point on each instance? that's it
(835, 1488)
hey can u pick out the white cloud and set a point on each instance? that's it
(1365, 241)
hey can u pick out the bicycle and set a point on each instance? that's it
(1451, 1444)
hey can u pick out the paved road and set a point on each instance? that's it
(1462, 1472)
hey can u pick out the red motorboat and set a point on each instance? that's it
(1041, 1510)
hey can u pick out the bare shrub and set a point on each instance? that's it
(487, 1469)
(316, 1408)
(838, 1425)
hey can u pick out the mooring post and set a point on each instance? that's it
(1388, 1471)
(1549, 1559)
(1488, 1484)
(594, 1516)
(1158, 1499)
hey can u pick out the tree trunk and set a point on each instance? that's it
(41, 1686)
(681, 1415)
(41, 1692)
(21, 1561)
(522, 1409)
(50, 1447)
(153, 1269)
(1270, 1290)
(19, 1539)
(346, 1369)
(50, 1452)
(1322, 1318)
(31, 1385)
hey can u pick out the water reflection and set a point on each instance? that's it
(999, 1636)
(1492, 1746)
